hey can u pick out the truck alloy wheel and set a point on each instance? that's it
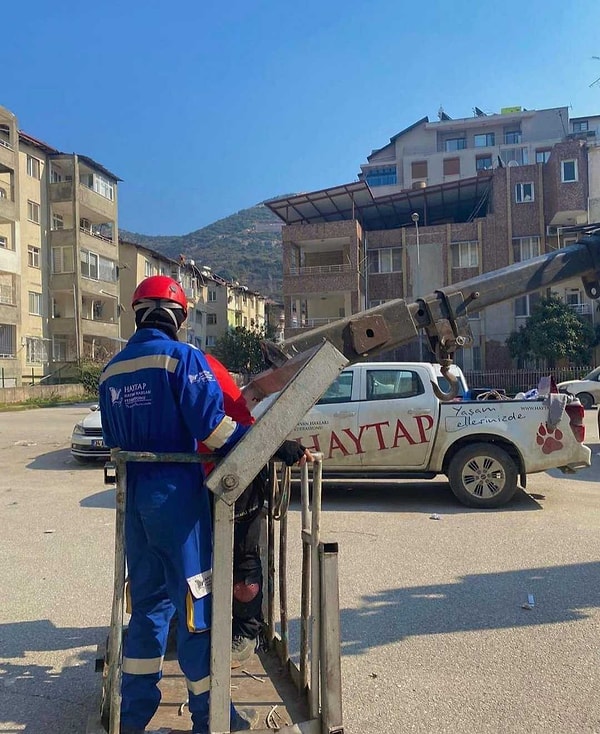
(483, 475)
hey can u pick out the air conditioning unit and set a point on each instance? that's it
(551, 231)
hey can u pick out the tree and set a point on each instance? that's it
(239, 348)
(553, 332)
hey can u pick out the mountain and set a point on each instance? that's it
(245, 246)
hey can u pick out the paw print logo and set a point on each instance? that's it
(549, 440)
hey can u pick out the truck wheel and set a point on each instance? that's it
(586, 400)
(483, 475)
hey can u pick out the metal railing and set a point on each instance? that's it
(5, 144)
(321, 269)
(514, 381)
(319, 673)
(97, 235)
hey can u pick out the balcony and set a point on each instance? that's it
(96, 242)
(7, 154)
(96, 202)
(320, 269)
(8, 207)
(60, 191)
(581, 309)
(97, 327)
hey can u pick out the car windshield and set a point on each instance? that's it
(593, 375)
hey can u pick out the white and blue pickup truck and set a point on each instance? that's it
(383, 419)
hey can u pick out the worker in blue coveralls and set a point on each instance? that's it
(160, 395)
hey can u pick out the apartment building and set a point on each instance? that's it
(228, 305)
(410, 230)
(58, 257)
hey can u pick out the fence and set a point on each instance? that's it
(514, 381)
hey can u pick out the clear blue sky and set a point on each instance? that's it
(205, 108)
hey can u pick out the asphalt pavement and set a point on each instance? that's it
(453, 620)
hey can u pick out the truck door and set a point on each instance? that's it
(331, 426)
(396, 418)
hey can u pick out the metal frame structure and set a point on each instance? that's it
(304, 381)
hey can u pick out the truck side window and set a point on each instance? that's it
(339, 391)
(392, 384)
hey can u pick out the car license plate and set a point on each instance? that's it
(98, 443)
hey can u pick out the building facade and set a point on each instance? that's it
(407, 230)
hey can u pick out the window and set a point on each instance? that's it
(451, 166)
(211, 341)
(59, 348)
(542, 156)
(33, 167)
(57, 221)
(63, 260)
(148, 269)
(524, 248)
(465, 254)
(339, 391)
(7, 293)
(4, 242)
(518, 155)
(107, 270)
(89, 264)
(393, 384)
(455, 144)
(211, 319)
(485, 140)
(384, 176)
(36, 350)
(386, 260)
(33, 212)
(419, 169)
(512, 136)
(581, 126)
(35, 303)
(33, 256)
(55, 174)
(212, 295)
(568, 171)
(524, 192)
(483, 162)
(8, 334)
(99, 184)
(2, 193)
(525, 304)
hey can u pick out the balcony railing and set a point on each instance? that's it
(311, 323)
(5, 144)
(580, 308)
(321, 269)
(97, 235)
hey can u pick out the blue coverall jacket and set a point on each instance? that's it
(160, 395)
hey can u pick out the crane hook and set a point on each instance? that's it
(452, 380)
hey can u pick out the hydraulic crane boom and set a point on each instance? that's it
(443, 314)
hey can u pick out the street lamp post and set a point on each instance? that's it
(415, 217)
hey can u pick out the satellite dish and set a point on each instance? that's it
(512, 164)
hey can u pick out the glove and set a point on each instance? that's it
(290, 452)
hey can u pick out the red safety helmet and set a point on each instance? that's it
(160, 288)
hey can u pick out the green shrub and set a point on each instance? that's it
(89, 376)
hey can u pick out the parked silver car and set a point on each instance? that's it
(87, 443)
(587, 389)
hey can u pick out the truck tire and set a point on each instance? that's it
(483, 475)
